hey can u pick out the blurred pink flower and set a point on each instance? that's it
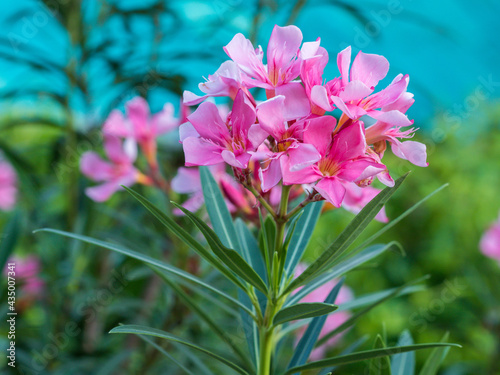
(27, 272)
(207, 139)
(8, 186)
(188, 181)
(140, 125)
(357, 197)
(342, 160)
(118, 171)
(333, 320)
(490, 241)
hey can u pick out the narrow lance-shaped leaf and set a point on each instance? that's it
(229, 257)
(433, 362)
(141, 330)
(395, 221)
(404, 363)
(301, 237)
(148, 260)
(364, 355)
(250, 247)
(340, 269)
(303, 311)
(165, 353)
(380, 365)
(347, 237)
(359, 314)
(217, 211)
(198, 310)
(308, 340)
(185, 237)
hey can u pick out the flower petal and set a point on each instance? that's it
(369, 68)
(414, 152)
(272, 117)
(319, 132)
(207, 122)
(331, 189)
(198, 151)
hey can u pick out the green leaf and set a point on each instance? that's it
(380, 365)
(217, 210)
(203, 314)
(347, 237)
(8, 238)
(303, 311)
(250, 249)
(229, 257)
(364, 355)
(368, 299)
(395, 221)
(148, 260)
(433, 362)
(301, 237)
(359, 314)
(141, 330)
(165, 353)
(185, 236)
(358, 302)
(404, 363)
(340, 269)
(306, 344)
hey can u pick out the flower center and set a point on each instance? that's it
(328, 167)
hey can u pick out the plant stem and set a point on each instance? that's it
(261, 199)
(266, 329)
(266, 350)
(282, 218)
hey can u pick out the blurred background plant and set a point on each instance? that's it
(67, 64)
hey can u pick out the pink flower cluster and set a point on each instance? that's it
(122, 134)
(333, 320)
(8, 186)
(490, 241)
(297, 143)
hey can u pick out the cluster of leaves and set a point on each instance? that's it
(245, 268)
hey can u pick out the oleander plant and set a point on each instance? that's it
(257, 176)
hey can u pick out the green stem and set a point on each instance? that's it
(266, 329)
(282, 218)
(266, 350)
(261, 199)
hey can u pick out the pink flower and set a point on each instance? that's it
(283, 63)
(140, 125)
(380, 132)
(226, 81)
(333, 320)
(352, 92)
(490, 242)
(8, 186)
(357, 197)
(209, 140)
(27, 272)
(118, 171)
(188, 181)
(288, 146)
(342, 159)
(283, 66)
